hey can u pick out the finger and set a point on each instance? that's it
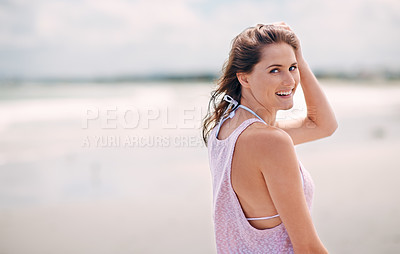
(279, 23)
(282, 24)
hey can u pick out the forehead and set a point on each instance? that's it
(278, 53)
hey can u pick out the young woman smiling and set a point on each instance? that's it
(262, 194)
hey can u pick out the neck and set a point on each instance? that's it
(267, 114)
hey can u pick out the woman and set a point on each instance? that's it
(262, 193)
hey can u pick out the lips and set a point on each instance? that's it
(284, 93)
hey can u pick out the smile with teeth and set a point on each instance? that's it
(284, 93)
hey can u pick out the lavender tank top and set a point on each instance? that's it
(233, 233)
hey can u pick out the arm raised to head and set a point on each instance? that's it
(320, 121)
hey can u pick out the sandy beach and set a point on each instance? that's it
(121, 168)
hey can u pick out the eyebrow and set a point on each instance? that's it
(279, 65)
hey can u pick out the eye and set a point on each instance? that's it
(274, 71)
(292, 68)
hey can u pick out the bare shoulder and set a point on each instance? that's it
(260, 138)
(268, 148)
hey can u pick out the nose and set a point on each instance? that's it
(288, 79)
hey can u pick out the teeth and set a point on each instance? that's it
(284, 92)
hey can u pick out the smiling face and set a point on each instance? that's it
(273, 80)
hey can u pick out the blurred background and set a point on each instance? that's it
(100, 114)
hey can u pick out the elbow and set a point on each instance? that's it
(326, 128)
(331, 128)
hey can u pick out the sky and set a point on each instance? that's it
(88, 38)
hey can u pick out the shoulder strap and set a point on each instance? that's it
(233, 103)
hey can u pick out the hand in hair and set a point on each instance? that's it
(282, 24)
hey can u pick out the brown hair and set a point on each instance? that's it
(244, 54)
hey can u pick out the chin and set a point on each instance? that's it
(287, 107)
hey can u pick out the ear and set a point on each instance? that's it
(242, 77)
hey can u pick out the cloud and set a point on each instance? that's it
(88, 37)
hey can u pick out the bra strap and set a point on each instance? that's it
(234, 104)
(251, 111)
(263, 218)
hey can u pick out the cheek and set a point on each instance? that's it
(296, 78)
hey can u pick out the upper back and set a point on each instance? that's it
(247, 180)
(232, 230)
